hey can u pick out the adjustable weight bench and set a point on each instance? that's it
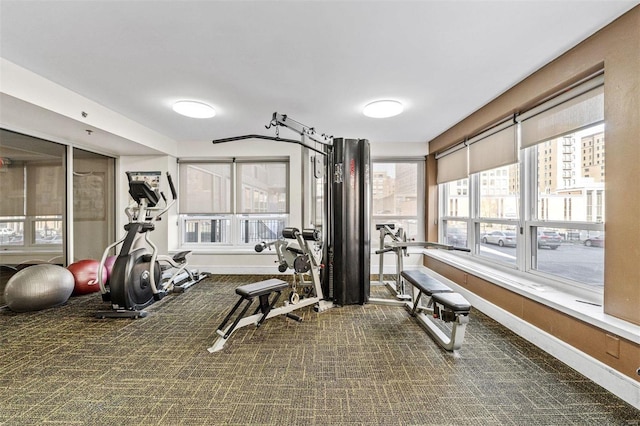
(268, 292)
(262, 290)
(444, 304)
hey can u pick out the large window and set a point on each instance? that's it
(567, 224)
(534, 190)
(233, 202)
(33, 193)
(397, 193)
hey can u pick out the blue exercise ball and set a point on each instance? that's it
(38, 287)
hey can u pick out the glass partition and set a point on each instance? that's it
(93, 203)
(34, 197)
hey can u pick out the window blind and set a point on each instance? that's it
(205, 188)
(46, 181)
(12, 190)
(493, 149)
(453, 165)
(576, 109)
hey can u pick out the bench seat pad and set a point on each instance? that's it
(260, 288)
(454, 301)
(425, 283)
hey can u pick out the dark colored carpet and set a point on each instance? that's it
(351, 365)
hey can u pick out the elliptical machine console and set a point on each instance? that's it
(140, 276)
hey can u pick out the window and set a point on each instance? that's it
(398, 195)
(496, 225)
(569, 211)
(264, 187)
(455, 205)
(33, 192)
(535, 191)
(233, 202)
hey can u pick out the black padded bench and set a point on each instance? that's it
(262, 290)
(454, 304)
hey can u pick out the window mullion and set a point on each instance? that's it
(474, 213)
(527, 207)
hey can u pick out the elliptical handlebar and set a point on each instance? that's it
(170, 203)
(146, 199)
(174, 194)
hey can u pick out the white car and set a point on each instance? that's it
(7, 231)
(506, 238)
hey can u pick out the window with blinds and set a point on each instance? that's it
(549, 159)
(233, 201)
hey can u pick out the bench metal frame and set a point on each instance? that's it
(425, 317)
(259, 316)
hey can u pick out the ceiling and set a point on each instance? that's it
(319, 62)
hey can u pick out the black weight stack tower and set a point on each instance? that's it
(351, 224)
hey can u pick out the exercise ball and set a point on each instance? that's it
(108, 264)
(6, 272)
(38, 287)
(85, 276)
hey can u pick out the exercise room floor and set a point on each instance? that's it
(352, 365)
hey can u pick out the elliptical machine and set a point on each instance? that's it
(138, 279)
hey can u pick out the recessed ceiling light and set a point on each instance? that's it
(383, 109)
(194, 109)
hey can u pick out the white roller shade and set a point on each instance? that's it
(453, 166)
(495, 150)
(46, 182)
(12, 191)
(576, 113)
(205, 188)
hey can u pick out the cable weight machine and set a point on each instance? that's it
(346, 206)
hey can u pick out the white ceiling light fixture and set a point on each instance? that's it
(194, 109)
(383, 109)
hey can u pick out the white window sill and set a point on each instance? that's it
(577, 303)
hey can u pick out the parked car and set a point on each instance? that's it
(549, 239)
(7, 231)
(595, 241)
(16, 239)
(501, 238)
(456, 237)
(54, 239)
